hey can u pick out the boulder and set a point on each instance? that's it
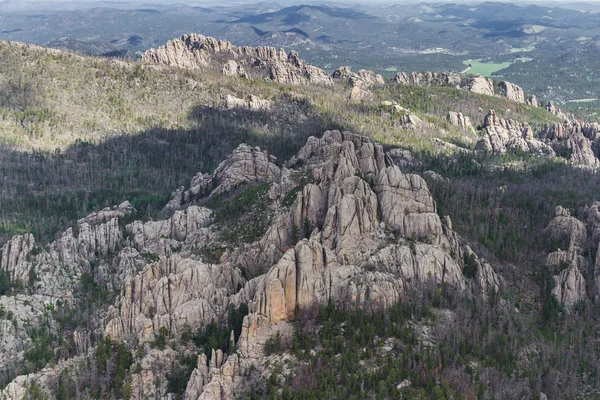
(252, 103)
(232, 68)
(481, 85)
(460, 120)
(513, 92)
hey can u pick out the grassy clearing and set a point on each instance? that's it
(485, 68)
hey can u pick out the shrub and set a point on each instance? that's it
(470, 266)
(273, 345)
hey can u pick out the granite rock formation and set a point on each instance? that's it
(371, 234)
(195, 51)
(476, 84)
(501, 135)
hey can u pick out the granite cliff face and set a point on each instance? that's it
(370, 231)
(196, 51)
(575, 262)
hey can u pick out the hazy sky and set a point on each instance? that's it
(225, 2)
(75, 4)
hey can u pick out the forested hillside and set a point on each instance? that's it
(210, 232)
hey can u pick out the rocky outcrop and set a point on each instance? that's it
(501, 135)
(246, 164)
(401, 157)
(532, 101)
(297, 72)
(569, 287)
(406, 206)
(569, 129)
(56, 268)
(15, 256)
(232, 68)
(512, 92)
(480, 85)
(476, 84)
(363, 78)
(197, 51)
(411, 121)
(175, 292)
(252, 103)
(360, 82)
(359, 252)
(429, 79)
(363, 214)
(27, 311)
(576, 261)
(460, 120)
(359, 94)
(552, 109)
(46, 379)
(393, 108)
(566, 229)
(443, 147)
(52, 273)
(214, 380)
(581, 152)
(580, 142)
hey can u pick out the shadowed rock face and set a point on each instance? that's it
(576, 261)
(374, 234)
(194, 51)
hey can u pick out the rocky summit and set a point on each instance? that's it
(193, 51)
